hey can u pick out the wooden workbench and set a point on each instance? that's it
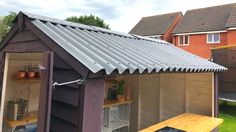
(188, 122)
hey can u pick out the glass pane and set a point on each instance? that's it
(181, 40)
(217, 37)
(186, 39)
(209, 37)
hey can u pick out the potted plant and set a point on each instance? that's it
(121, 91)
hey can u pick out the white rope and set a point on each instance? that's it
(78, 81)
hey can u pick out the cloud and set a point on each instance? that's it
(121, 15)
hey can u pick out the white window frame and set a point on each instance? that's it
(184, 43)
(212, 37)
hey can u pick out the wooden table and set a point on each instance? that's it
(188, 122)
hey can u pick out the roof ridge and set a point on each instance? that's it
(164, 14)
(83, 26)
(211, 7)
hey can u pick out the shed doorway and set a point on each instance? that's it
(22, 89)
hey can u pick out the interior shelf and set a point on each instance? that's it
(25, 121)
(111, 103)
(36, 80)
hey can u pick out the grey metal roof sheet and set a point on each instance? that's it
(100, 49)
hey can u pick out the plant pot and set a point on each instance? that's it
(21, 75)
(121, 98)
(31, 74)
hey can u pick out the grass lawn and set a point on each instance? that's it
(228, 113)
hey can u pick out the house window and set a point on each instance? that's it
(183, 40)
(213, 38)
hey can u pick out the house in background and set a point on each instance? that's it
(205, 28)
(158, 26)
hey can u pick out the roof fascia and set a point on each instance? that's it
(193, 33)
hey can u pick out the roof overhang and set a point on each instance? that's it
(193, 33)
(232, 28)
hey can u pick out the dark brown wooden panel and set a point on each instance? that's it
(65, 112)
(58, 125)
(66, 95)
(93, 105)
(28, 46)
(65, 75)
(61, 64)
(24, 36)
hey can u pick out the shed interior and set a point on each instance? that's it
(157, 97)
(21, 91)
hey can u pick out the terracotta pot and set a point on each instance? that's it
(31, 74)
(21, 75)
(121, 98)
(37, 75)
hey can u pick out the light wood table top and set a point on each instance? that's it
(25, 121)
(188, 122)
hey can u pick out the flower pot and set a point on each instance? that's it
(31, 74)
(21, 75)
(121, 98)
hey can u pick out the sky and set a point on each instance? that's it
(121, 15)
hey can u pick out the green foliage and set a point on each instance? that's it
(6, 24)
(121, 87)
(89, 20)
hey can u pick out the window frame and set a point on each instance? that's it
(213, 38)
(184, 43)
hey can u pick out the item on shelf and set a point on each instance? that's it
(33, 71)
(37, 75)
(121, 98)
(21, 75)
(128, 92)
(112, 93)
(31, 74)
(16, 109)
(121, 91)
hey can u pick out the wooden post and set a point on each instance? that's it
(93, 105)
(216, 95)
(45, 93)
(4, 84)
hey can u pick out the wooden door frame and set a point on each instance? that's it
(44, 111)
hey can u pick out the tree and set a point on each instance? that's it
(6, 23)
(89, 20)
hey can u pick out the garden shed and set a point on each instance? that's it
(225, 56)
(77, 78)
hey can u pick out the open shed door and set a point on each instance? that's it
(45, 93)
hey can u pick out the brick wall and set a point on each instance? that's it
(198, 44)
(231, 37)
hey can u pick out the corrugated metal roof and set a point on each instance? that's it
(101, 49)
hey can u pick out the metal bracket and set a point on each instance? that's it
(78, 81)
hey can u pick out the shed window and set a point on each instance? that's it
(183, 40)
(213, 38)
